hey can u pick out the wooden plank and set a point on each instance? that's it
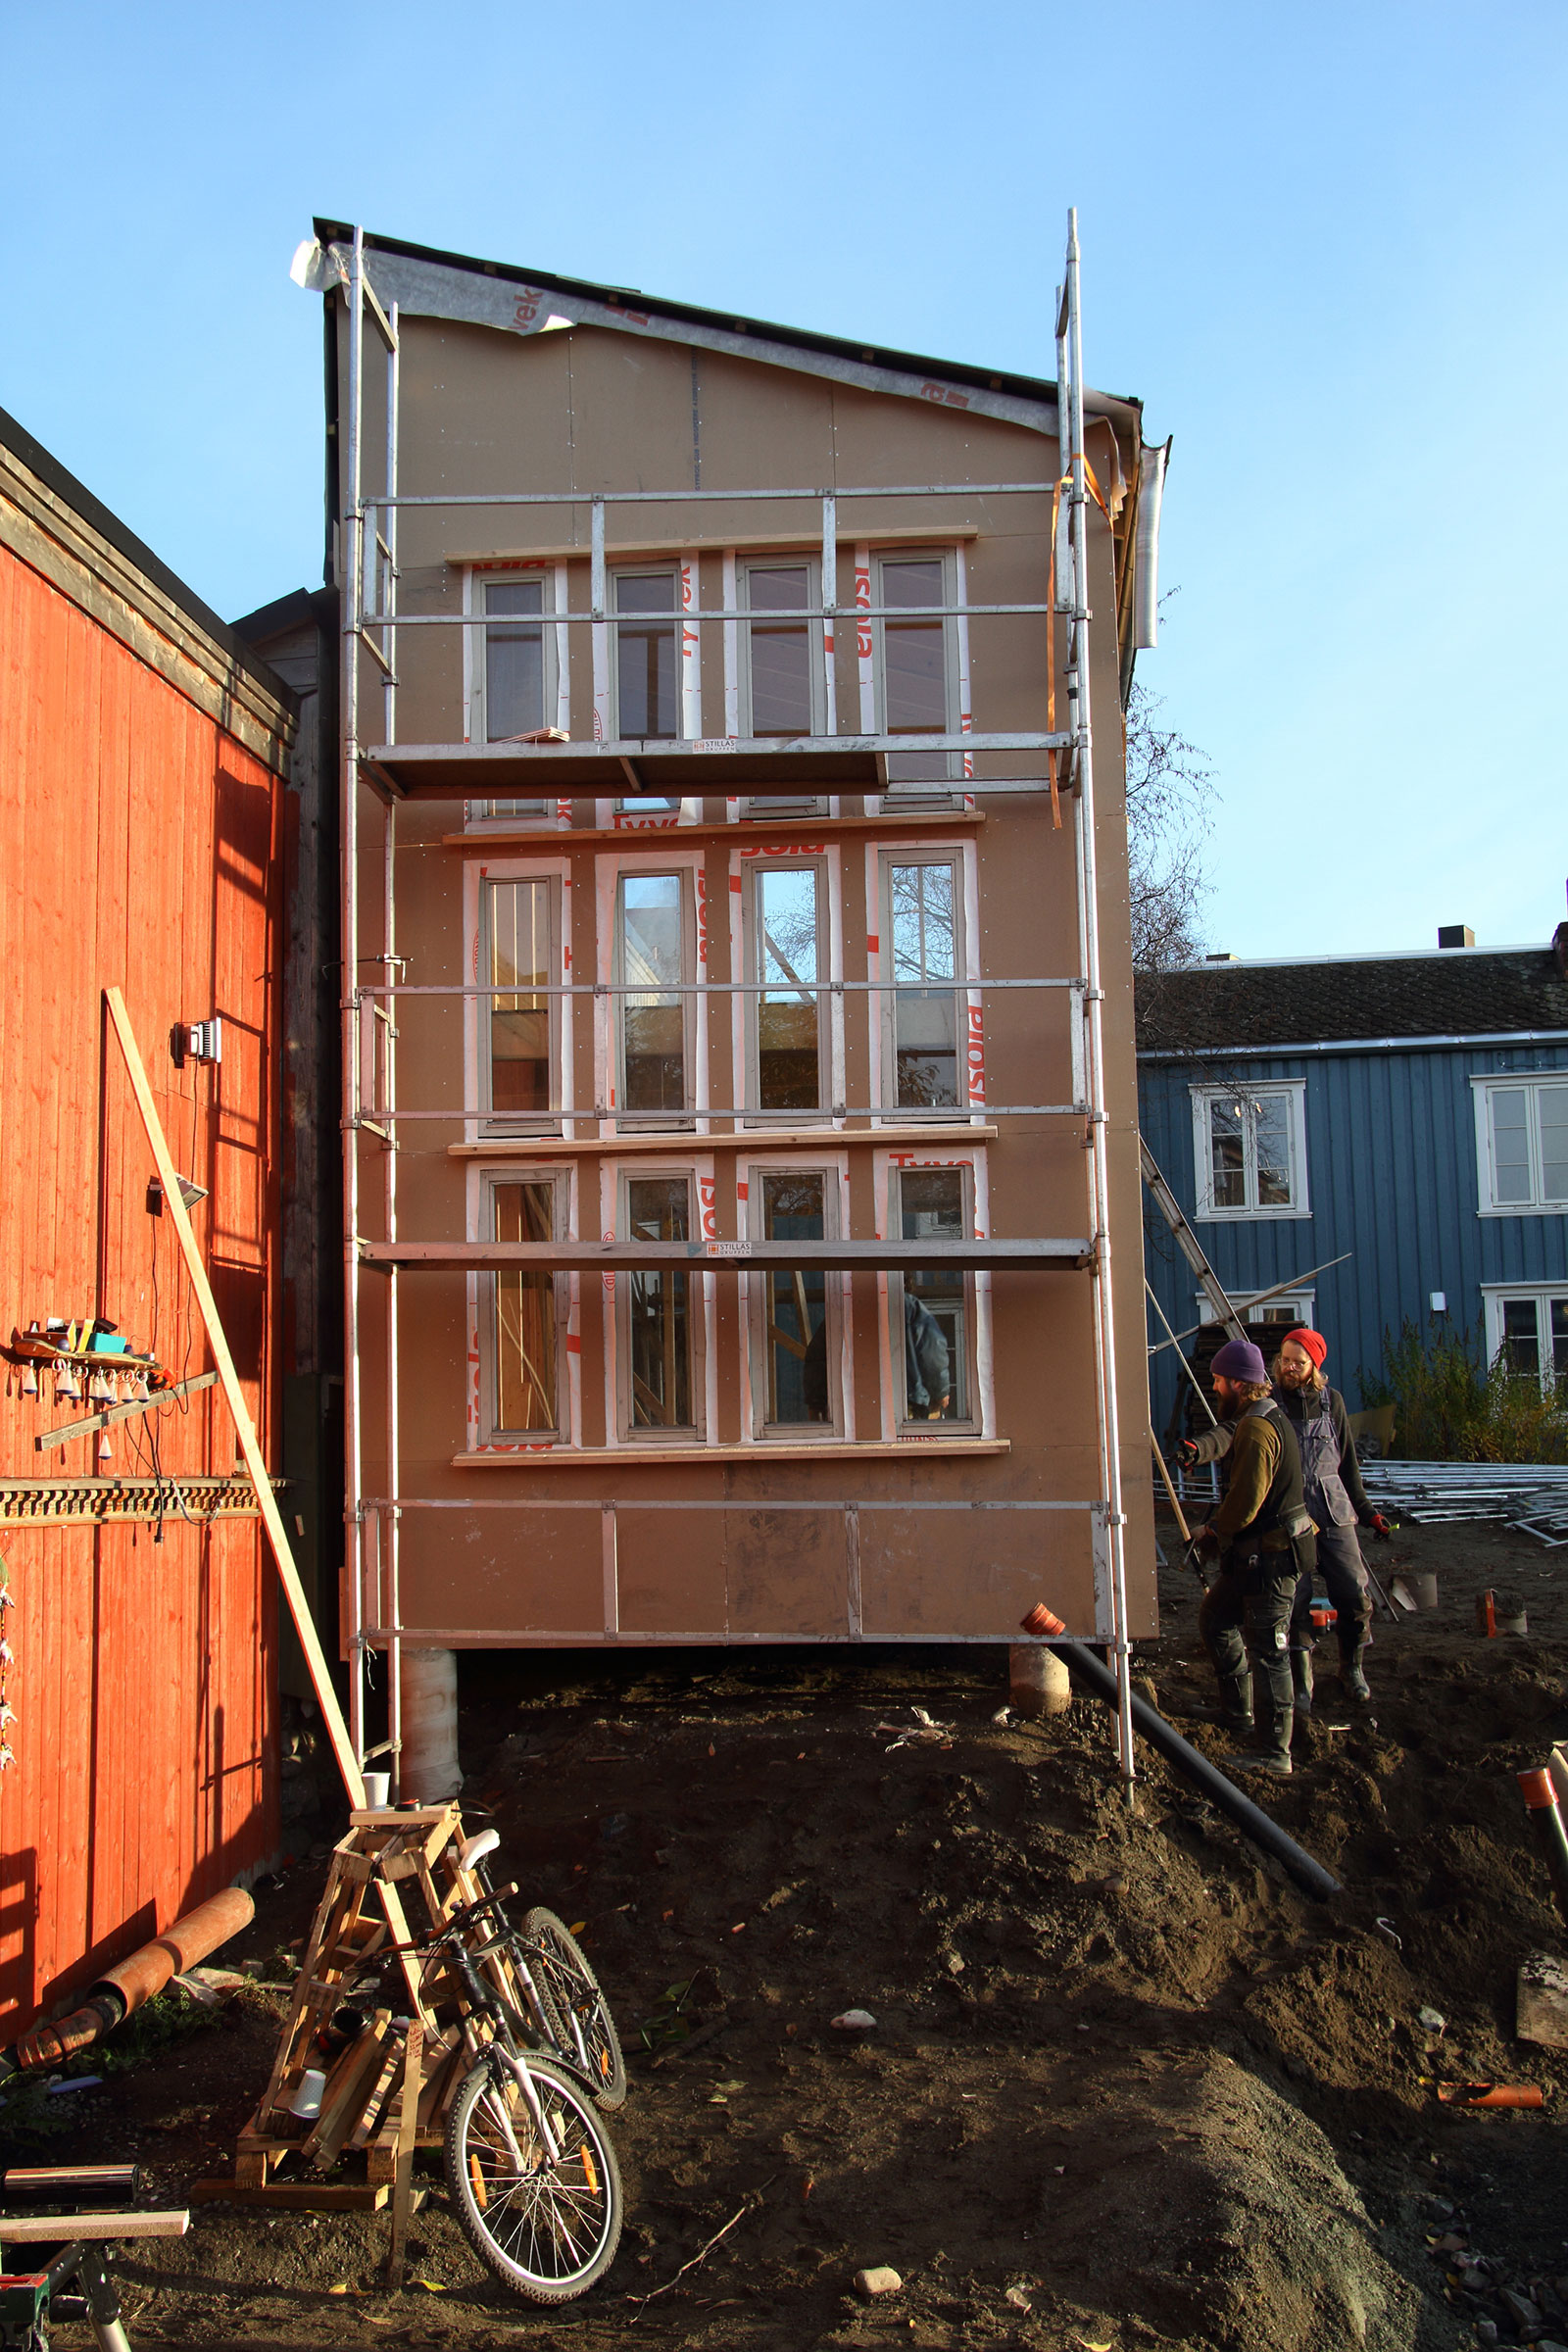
(344, 2101)
(44, 2229)
(408, 2123)
(295, 2196)
(373, 2104)
(757, 1256)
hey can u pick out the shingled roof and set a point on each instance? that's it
(1267, 1007)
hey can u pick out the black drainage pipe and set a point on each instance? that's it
(1307, 1874)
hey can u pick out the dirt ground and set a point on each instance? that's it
(1127, 2086)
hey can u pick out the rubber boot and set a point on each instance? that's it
(1302, 1677)
(1236, 1700)
(1276, 1756)
(1350, 1674)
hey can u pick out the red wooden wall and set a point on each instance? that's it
(137, 846)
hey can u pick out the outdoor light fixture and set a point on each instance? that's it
(196, 1040)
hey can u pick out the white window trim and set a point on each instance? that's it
(839, 1427)
(623, 1174)
(479, 1126)
(1203, 1163)
(475, 579)
(1482, 1088)
(1492, 1294)
(751, 1004)
(900, 1165)
(881, 859)
(482, 1435)
(815, 684)
(657, 568)
(1300, 1303)
(955, 669)
(608, 1076)
(890, 1297)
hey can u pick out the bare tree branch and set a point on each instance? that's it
(1170, 791)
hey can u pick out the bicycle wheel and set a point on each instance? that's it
(546, 2229)
(569, 1989)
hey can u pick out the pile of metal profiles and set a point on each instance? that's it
(1530, 1495)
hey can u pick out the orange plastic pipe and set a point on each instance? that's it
(135, 1980)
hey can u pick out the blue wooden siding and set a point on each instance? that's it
(1392, 1177)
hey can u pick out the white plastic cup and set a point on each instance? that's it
(377, 1791)
(306, 2100)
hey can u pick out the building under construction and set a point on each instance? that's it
(741, 1185)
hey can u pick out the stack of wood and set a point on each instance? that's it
(388, 2088)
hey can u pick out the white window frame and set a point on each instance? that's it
(642, 1121)
(629, 1432)
(1298, 1304)
(752, 945)
(913, 789)
(1294, 1090)
(956, 859)
(797, 1433)
(1495, 1294)
(815, 682)
(499, 1123)
(661, 567)
(560, 1179)
(908, 1425)
(1532, 1082)
(477, 580)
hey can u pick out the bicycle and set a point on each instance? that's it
(567, 2007)
(531, 2171)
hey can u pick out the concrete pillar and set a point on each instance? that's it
(1038, 1681)
(430, 1771)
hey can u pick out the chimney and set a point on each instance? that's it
(1560, 948)
(1455, 934)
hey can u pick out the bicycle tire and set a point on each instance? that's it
(569, 1991)
(545, 2231)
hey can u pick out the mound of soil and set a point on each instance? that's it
(1126, 2086)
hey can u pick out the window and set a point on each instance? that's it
(793, 1338)
(657, 1328)
(652, 953)
(916, 664)
(1528, 1329)
(522, 1331)
(1249, 1149)
(785, 926)
(512, 676)
(647, 684)
(783, 670)
(519, 1025)
(932, 1305)
(1522, 1143)
(921, 923)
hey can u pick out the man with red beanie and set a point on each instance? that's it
(1264, 1537)
(1331, 1482)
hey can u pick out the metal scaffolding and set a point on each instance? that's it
(692, 769)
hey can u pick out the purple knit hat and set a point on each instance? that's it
(1238, 1359)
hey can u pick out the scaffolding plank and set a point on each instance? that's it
(716, 765)
(756, 1256)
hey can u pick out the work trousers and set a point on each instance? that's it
(1344, 1573)
(1245, 1615)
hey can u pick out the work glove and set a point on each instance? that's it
(1187, 1452)
(1204, 1541)
(1381, 1528)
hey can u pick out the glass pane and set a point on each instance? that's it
(794, 1304)
(513, 661)
(1271, 1119)
(517, 936)
(523, 1335)
(1510, 1143)
(484, 809)
(787, 1067)
(935, 1319)
(1551, 1103)
(654, 1023)
(781, 652)
(645, 657)
(1521, 1344)
(1227, 1155)
(925, 1021)
(1559, 1339)
(915, 684)
(658, 1209)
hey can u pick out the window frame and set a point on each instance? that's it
(758, 1292)
(644, 1121)
(628, 1430)
(1532, 1082)
(1497, 1295)
(479, 581)
(491, 1123)
(490, 1435)
(817, 686)
(913, 789)
(658, 567)
(970, 1422)
(752, 951)
(1293, 1092)
(962, 986)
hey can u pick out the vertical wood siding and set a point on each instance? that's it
(136, 848)
(1391, 1148)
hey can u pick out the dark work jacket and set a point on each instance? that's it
(1331, 1474)
(1281, 1521)
(926, 1369)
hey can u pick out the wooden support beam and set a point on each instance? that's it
(408, 2124)
(122, 1413)
(65, 2229)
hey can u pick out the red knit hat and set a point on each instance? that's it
(1314, 1341)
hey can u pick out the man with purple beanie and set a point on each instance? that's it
(1263, 1539)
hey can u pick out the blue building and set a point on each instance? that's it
(1405, 1114)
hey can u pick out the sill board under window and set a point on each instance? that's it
(562, 1457)
(747, 828)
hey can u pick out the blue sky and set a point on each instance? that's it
(1324, 246)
